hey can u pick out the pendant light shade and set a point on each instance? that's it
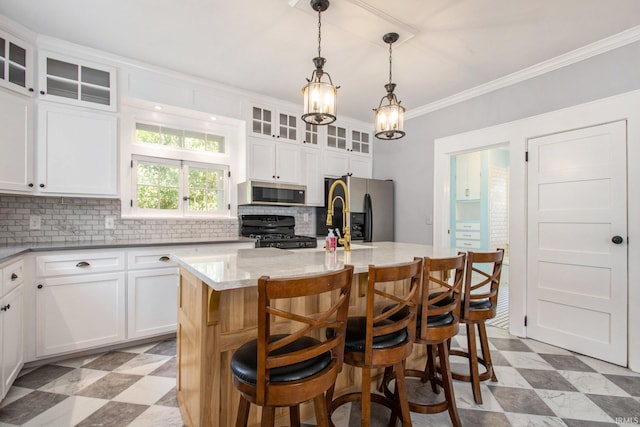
(320, 95)
(389, 116)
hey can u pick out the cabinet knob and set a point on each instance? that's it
(41, 92)
(164, 258)
(278, 177)
(185, 198)
(4, 308)
(83, 264)
(14, 276)
(41, 185)
(273, 176)
(30, 185)
(39, 286)
(30, 89)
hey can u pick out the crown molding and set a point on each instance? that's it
(605, 45)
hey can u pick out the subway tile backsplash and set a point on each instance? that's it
(69, 219)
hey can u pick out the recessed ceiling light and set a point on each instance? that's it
(157, 107)
(214, 118)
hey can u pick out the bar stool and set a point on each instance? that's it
(383, 340)
(437, 322)
(286, 369)
(481, 283)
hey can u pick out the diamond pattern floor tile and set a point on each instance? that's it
(538, 385)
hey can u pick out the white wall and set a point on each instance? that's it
(409, 161)
(516, 134)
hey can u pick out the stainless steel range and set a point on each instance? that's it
(274, 231)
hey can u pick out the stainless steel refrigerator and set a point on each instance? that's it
(371, 209)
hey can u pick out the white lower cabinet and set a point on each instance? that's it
(152, 302)
(79, 312)
(11, 337)
(81, 300)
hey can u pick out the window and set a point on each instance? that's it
(177, 166)
(179, 138)
(178, 187)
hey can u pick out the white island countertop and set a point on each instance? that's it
(238, 268)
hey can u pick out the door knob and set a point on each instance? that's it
(617, 239)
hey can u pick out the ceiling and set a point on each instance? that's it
(266, 46)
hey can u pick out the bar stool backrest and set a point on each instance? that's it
(277, 315)
(481, 284)
(442, 289)
(404, 294)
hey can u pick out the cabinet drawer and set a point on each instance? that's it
(475, 226)
(156, 258)
(79, 263)
(468, 244)
(473, 235)
(12, 276)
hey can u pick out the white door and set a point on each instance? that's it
(577, 275)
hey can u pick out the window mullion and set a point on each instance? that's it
(184, 187)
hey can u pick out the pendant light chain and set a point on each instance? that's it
(390, 62)
(319, 32)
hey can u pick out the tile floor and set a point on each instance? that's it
(538, 385)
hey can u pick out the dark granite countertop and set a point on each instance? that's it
(9, 251)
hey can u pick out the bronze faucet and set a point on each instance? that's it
(346, 234)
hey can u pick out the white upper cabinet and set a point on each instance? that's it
(16, 144)
(16, 63)
(77, 151)
(73, 81)
(312, 135)
(348, 138)
(348, 151)
(273, 152)
(273, 161)
(468, 176)
(311, 161)
(267, 122)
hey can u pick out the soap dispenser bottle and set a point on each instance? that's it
(331, 242)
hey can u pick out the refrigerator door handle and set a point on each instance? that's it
(368, 226)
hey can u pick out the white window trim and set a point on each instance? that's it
(183, 119)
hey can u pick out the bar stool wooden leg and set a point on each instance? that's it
(486, 353)
(322, 414)
(404, 403)
(430, 370)
(294, 416)
(243, 412)
(473, 363)
(268, 416)
(365, 402)
(447, 383)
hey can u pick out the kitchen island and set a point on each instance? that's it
(217, 313)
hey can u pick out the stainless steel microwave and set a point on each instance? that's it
(271, 193)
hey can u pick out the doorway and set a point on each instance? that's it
(479, 209)
(516, 135)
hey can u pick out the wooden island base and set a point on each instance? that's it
(211, 326)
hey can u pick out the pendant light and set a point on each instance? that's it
(320, 97)
(389, 118)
